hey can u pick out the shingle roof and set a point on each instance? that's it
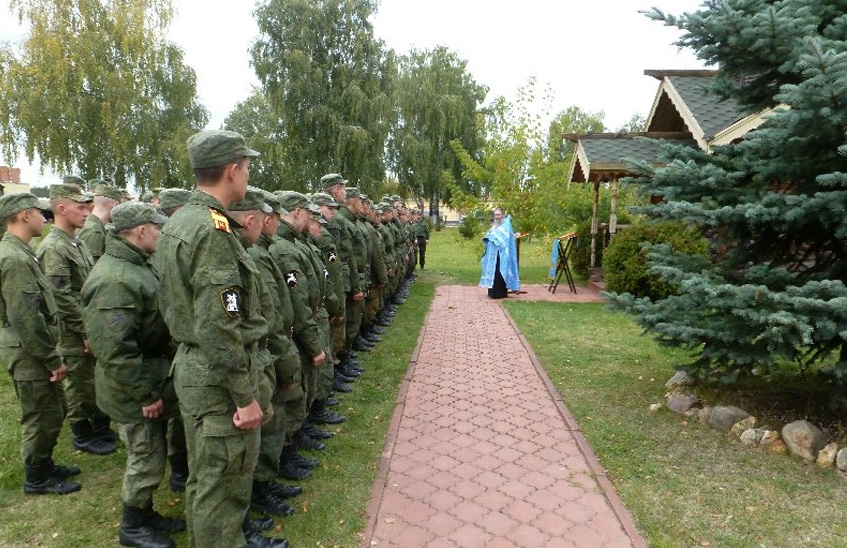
(712, 114)
(601, 155)
(620, 150)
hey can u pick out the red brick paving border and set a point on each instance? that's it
(445, 488)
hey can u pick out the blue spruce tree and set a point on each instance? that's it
(774, 204)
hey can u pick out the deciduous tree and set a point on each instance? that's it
(95, 88)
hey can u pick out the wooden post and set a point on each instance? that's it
(613, 216)
(594, 214)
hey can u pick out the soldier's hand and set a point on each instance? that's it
(154, 410)
(59, 374)
(359, 296)
(85, 347)
(248, 418)
(319, 360)
(269, 414)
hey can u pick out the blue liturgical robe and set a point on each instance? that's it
(500, 241)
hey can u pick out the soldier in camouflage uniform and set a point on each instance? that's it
(27, 344)
(133, 349)
(318, 413)
(210, 299)
(171, 199)
(420, 230)
(66, 262)
(330, 242)
(93, 232)
(295, 265)
(253, 214)
(351, 252)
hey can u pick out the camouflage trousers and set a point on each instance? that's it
(43, 410)
(217, 496)
(354, 310)
(324, 375)
(79, 389)
(293, 400)
(272, 442)
(146, 454)
(372, 304)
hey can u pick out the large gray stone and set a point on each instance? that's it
(724, 416)
(680, 379)
(680, 403)
(803, 439)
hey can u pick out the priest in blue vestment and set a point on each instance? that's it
(500, 260)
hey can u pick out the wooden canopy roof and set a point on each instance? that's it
(605, 156)
(683, 111)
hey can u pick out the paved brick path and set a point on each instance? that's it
(480, 452)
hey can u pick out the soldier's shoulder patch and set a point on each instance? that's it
(219, 220)
(332, 257)
(116, 321)
(326, 273)
(291, 279)
(231, 301)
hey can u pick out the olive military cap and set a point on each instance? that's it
(170, 198)
(323, 199)
(253, 201)
(69, 191)
(318, 218)
(273, 200)
(13, 203)
(353, 192)
(73, 180)
(291, 200)
(216, 148)
(332, 179)
(102, 189)
(132, 214)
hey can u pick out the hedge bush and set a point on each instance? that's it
(625, 260)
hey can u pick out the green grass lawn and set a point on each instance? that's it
(331, 512)
(685, 484)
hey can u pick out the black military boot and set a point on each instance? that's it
(288, 469)
(258, 525)
(255, 540)
(179, 471)
(303, 440)
(339, 386)
(85, 440)
(331, 401)
(361, 345)
(315, 432)
(135, 531)
(63, 472)
(39, 481)
(161, 523)
(264, 499)
(101, 427)
(319, 414)
(284, 491)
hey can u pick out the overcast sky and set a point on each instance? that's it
(593, 53)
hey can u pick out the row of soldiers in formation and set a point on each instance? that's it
(213, 327)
